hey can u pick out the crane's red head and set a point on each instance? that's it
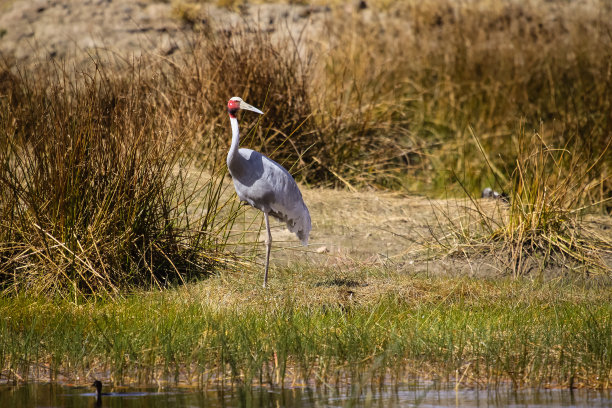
(236, 104)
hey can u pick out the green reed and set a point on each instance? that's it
(480, 333)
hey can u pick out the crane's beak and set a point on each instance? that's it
(244, 105)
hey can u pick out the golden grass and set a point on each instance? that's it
(430, 71)
(396, 111)
(313, 287)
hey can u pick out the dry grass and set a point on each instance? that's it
(91, 200)
(378, 114)
(429, 71)
(439, 113)
(544, 223)
(352, 113)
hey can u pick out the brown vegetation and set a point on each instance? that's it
(443, 98)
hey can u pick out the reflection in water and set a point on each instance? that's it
(52, 395)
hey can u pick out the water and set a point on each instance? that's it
(53, 395)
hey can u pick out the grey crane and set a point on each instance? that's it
(266, 185)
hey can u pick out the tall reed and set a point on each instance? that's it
(403, 102)
(93, 190)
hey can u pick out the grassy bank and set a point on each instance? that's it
(116, 215)
(369, 327)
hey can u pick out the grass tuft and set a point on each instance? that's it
(93, 191)
(552, 189)
(547, 220)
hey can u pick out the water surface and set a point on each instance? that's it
(53, 395)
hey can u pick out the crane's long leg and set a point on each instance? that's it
(268, 246)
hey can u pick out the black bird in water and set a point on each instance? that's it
(99, 393)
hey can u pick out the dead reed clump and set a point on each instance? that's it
(552, 190)
(90, 201)
(543, 223)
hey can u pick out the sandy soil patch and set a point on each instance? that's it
(72, 31)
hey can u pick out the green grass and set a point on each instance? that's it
(307, 331)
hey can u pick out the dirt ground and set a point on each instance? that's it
(72, 31)
(409, 233)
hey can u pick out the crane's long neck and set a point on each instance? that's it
(233, 151)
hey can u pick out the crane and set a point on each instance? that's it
(266, 185)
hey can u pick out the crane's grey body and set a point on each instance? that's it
(266, 185)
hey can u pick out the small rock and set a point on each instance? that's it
(489, 193)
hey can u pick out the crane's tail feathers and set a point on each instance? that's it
(302, 231)
(300, 225)
(303, 236)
